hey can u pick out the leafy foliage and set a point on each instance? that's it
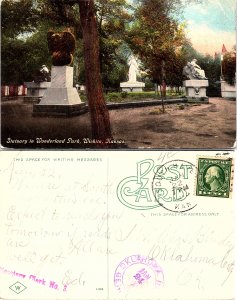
(112, 19)
(155, 36)
(18, 17)
(229, 67)
(21, 58)
(149, 29)
(35, 18)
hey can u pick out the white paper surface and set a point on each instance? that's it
(88, 225)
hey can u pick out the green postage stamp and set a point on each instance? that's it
(214, 178)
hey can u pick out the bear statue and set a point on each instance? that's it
(61, 46)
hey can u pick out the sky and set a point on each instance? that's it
(211, 24)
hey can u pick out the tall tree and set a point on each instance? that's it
(98, 110)
(155, 35)
(100, 122)
(112, 20)
(92, 55)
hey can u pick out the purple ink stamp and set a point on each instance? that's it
(136, 271)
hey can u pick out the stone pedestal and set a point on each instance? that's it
(61, 98)
(132, 86)
(35, 90)
(196, 90)
(227, 90)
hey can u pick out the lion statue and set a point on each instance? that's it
(61, 46)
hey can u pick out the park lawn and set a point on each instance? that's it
(124, 97)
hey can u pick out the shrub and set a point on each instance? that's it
(113, 97)
(124, 94)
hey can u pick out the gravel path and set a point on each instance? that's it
(210, 125)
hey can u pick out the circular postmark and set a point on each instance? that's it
(173, 185)
(138, 271)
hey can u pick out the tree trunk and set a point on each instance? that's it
(99, 113)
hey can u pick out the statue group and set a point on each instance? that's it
(196, 82)
(193, 71)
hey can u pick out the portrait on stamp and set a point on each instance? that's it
(214, 178)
